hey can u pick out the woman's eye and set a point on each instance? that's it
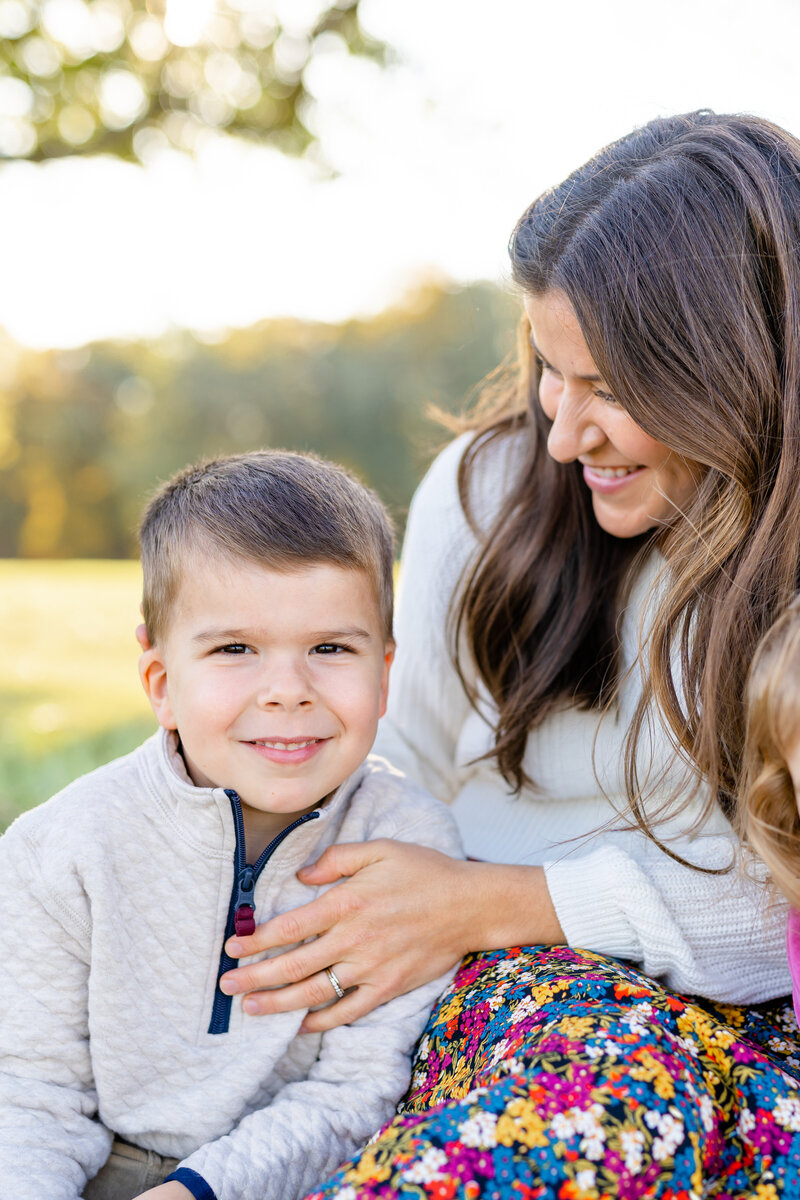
(605, 396)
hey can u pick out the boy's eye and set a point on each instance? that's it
(233, 648)
(329, 648)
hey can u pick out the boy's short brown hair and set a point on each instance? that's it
(271, 507)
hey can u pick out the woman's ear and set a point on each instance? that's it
(153, 674)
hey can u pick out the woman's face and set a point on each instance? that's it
(635, 481)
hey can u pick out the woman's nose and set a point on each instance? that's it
(574, 431)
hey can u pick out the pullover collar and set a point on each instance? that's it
(201, 816)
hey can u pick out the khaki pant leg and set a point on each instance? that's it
(128, 1172)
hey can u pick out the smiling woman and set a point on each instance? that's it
(635, 481)
(586, 574)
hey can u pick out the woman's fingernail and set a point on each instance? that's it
(249, 1005)
(234, 949)
(229, 986)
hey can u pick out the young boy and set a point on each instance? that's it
(268, 604)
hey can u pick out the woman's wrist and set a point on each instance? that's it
(510, 906)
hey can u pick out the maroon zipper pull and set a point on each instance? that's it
(244, 912)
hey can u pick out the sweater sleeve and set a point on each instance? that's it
(50, 1138)
(427, 703)
(283, 1151)
(720, 936)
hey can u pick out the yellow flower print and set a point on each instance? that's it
(722, 1037)
(650, 1070)
(520, 1123)
(576, 1028)
(734, 1015)
(450, 1008)
(368, 1168)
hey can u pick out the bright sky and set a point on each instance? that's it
(436, 158)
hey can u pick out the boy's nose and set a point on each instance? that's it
(286, 686)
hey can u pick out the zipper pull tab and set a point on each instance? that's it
(244, 908)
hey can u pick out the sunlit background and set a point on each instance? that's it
(229, 223)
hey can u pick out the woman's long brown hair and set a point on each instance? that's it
(679, 249)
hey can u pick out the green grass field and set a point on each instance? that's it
(70, 696)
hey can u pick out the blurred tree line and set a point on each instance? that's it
(86, 435)
(127, 77)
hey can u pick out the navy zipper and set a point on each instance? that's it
(245, 878)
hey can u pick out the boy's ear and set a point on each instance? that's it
(388, 659)
(153, 674)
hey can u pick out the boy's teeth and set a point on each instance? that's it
(285, 745)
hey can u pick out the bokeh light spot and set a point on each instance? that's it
(18, 137)
(40, 57)
(16, 98)
(122, 99)
(16, 18)
(76, 124)
(186, 20)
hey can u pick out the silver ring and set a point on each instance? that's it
(337, 987)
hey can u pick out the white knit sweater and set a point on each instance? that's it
(114, 898)
(614, 891)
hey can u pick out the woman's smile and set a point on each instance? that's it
(609, 479)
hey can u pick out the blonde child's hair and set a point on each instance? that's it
(768, 816)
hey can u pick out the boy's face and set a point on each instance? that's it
(274, 680)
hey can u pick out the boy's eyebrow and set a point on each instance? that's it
(587, 378)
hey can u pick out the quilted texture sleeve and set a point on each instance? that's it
(50, 1141)
(283, 1151)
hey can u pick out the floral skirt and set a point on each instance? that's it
(556, 1073)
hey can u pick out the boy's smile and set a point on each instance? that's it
(274, 680)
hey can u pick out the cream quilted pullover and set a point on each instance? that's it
(114, 900)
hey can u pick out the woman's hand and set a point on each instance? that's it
(404, 915)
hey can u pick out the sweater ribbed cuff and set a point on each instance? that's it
(585, 893)
(193, 1182)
